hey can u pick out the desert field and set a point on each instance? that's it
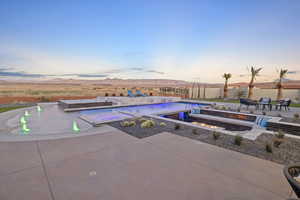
(37, 92)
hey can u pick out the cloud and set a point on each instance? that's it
(18, 61)
(154, 71)
(293, 72)
(20, 74)
(5, 68)
(141, 69)
(129, 70)
(92, 75)
(136, 69)
(9, 72)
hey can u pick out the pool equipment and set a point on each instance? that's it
(75, 127)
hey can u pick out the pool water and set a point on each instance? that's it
(119, 113)
(148, 109)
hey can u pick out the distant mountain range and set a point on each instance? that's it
(293, 84)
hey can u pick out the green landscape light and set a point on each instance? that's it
(27, 114)
(23, 120)
(39, 109)
(25, 129)
(75, 127)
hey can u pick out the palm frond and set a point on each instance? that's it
(227, 76)
(283, 73)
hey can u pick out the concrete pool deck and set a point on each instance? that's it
(51, 123)
(115, 165)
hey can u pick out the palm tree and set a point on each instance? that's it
(226, 77)
(282, 74)
(254, 74)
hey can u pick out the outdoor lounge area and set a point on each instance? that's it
(265, 103)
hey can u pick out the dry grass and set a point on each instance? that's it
(31, 92)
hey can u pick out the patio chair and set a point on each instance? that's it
(139, 93)
(130, 94)
(291, 172)
(265, 101)
(283, 103)
(248, 102)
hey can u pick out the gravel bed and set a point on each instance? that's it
(287, 153)
(290, 120)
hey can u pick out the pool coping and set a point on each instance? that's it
(127, 105)
(135, 115)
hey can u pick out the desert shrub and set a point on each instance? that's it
(162, 124)
(125, 124)
(144, 125)
(216, 135)
(277, 143)
(121, 94)
(269, 148)
(294, 172)
(177, 126)
(280, 134)
(240, 93)
(147, 124)
(296, 116)
(132, 123)
(141, 120)
(151, 122)
(106, 94)
(44, 99)
(238, 140)
(195, 131)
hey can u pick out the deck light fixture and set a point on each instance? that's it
(75, 127)
(26, 114)
(39, 109)
(25, 129)
(23, 120)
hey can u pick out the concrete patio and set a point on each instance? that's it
(114, 166)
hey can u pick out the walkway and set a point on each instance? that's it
(114, 165)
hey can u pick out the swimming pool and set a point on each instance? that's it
(98, 116)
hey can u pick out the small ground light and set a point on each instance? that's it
(93, 173)
(75, 127)
(26, 113)
(25, 129)
(39, 109)
(23, 120)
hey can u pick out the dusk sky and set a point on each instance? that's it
(185, 40)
